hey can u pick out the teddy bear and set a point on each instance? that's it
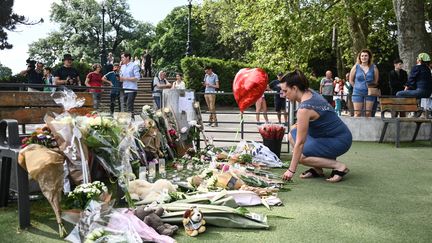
(193, 221)
(150, 215)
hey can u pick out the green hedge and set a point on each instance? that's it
(193, 70)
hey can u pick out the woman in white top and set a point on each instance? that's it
(179, 83)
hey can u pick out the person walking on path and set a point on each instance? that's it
(319, 137)
(94, 79)
(279, 99)
(129, 75)
(147, 64)
(117, 94)
(326, 87)
(211, 83)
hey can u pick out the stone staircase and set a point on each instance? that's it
(144, 96)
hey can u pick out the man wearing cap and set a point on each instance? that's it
(67, 75)
(419, 83)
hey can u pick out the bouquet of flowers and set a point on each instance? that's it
(272, 131)
(41, 136)
(112, 147)
(43, 160)
(83, 193)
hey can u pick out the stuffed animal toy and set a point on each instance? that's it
(150, 215)
(150, 192)
(193, 221)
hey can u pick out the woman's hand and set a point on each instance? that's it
(287, 175)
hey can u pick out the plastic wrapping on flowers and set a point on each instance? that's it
(94, 226)
(111, 146)
(259, 152)
(100, 222)
(68, 99)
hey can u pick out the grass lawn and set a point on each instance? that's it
(386, 197)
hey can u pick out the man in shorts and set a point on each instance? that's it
(279, 98)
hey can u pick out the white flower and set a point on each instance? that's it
(159, 113)
(183, 130)
(192, 123)
(146, 108)
(97, 121)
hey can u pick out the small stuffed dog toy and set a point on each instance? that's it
(193, 222)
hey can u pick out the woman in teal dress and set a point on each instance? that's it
(320, 136)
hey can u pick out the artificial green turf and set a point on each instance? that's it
(386, 197)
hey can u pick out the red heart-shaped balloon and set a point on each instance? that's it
(248, 86)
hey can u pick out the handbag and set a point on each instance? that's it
(373, 89)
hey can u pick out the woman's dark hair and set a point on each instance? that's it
(296, 78)
(179, 74)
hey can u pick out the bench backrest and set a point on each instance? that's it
(31, 107)
(399, 104)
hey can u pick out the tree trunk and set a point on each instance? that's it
(358, 29)
(412, 36)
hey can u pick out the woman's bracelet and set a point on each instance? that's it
(291, 171)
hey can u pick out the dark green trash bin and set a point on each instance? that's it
(274, 145)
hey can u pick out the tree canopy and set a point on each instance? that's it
(9, 22)
(314, 35)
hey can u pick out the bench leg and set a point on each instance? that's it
(23, 197)
(5, 180)
(383, 132)
(397, 134)
(418, 124)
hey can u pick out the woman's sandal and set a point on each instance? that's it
(312, 174)
(339, 173)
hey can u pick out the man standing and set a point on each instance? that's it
(117, 94)
(397, 77)
(33, 77)
(129, 75)
(279, 98)
(211, 83)
(67, 75)
(147, 64)
(159, 83)
(326, 87)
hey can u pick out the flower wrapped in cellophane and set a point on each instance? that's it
(112, 146)
(43, 160)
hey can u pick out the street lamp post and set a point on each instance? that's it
(189, 45)
(103, 50)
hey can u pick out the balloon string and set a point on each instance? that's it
(237, 133)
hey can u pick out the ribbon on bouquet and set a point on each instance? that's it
(84, 163)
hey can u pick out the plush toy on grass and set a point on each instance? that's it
(193, 222)
(150, 215)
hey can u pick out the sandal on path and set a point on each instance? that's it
(311, 173)
(339, 173)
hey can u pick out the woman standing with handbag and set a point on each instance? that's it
(363, 75)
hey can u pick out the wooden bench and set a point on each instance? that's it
(21, 108)
(395, 106)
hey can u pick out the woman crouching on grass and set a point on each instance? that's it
(320, 135)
